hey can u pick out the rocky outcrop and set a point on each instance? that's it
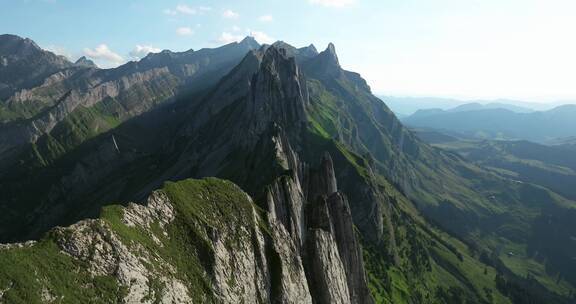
(349, 248)
(286, 205)
(279, 91)
(329, 213)
(326, 64)
(326, 275)
(320, 219)
(288, 282)
(300, 54)
(24, 64)
(322, 181)
(95, 243)
(188, 244)
(85, 62)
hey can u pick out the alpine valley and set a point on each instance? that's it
(253, 173)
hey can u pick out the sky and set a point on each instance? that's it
(472, 49)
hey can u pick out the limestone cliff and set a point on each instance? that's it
(320, 220)
(196, 241)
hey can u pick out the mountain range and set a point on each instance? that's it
(251, 173)
(499, 123)
(406, 106)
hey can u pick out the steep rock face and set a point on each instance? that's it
(349, 248)
(326, 63)
(126, 91)
(320, 218)
(286, 204)
(85, 62)
(327, 276)
(322, 182)
(105, 253)
(278, 94)
(325, 270)
(331, 212)
(196, 241)
(263, 94)
(288, 279)
(368, 202)
(24, 64)
(300, 54)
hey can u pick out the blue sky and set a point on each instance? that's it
(522, 49)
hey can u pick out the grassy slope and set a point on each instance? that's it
(26, 272)
(209, 202)
(446, 269)
(429, 265)
(529, 163)
(549, 166)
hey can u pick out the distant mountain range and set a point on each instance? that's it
(406, 106)
(470, 107)
(252, 173)
(486, 122)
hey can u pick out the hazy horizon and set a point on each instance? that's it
(483, 100)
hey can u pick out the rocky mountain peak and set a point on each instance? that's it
(322, 181)
(85, 62)
(330, 54)
(278, 91)
(250, 42)
(163, 58)
(15, 45)
(274, 54)
(23, 64)
(325, 64)
(300, 54)
(309, 50)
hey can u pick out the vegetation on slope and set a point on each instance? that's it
(430, 266)
(40, 272)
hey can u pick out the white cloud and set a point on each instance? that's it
(230, 14)
(104, 55)
(262, 37)
(184, 31)
(170, 12)
(185, 9)
(236, 28)
(140, 51)
(266, 18)
(333, 3)
(226, 37)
